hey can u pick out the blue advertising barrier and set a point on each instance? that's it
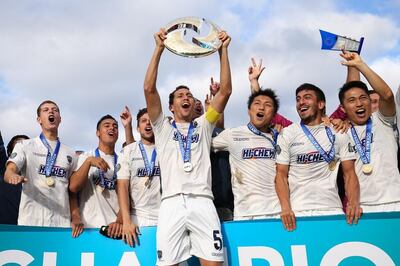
(316, 241)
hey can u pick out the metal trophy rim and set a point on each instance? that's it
(180, 21)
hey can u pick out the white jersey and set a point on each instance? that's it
(252, 161)
(145, 200)
(174, 179)
(97, 207)
(312, 185)
(40, 204)
(383, 184)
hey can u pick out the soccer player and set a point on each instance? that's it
(308, 157)
(188, 223)
(374, 138)
(96, 179)
(139, 181)
(252, 159)
(45, 165)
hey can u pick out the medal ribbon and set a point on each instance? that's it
(328, 157)
(275, 133)
(50, 158)
(364, 151)
(149, 166)
(105, 182)
(186, 146)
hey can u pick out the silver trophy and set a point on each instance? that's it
(192, 37)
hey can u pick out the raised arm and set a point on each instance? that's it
(254, 74)
(282, 190)
(352, 188)
(222, 96)
(153, 101)
(387, 105)
(126, 119)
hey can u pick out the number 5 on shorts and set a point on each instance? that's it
(217, 240)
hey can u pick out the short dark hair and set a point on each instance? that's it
(11, 143)
(140, 114)
(172, 94)
(104, 118)
(44, 102)
(350, 85)
(267, 92)
(308, 86)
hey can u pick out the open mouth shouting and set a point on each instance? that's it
(260, 115)
(52, 119)
(360, 112)
(303, 109)
(186, 105)
(148, 129)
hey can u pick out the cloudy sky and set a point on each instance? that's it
(91, 56)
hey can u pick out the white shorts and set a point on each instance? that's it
(384, 207)
(143, 221)
(304, 213)
(188, 225)
(257, 217)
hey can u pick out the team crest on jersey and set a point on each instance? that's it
(69, 159)
(117, 167)
(141, 172)
(13, 155)
(312, 157)
(195, 137)
(55, 171)
(278, 149)
(258, 153)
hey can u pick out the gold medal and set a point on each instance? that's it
(332, 165)
(239, 176)
(50, 181)
(99, 189)
(367, 168)
(148, 182)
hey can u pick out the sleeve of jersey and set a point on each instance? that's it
(221, 142)
(282, 147)
(212, 116)
(388, 120)
(346, 150)
(158, 123)
(75, 159)
(18, 156)
(123, 172)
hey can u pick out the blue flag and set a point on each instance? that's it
(331, 41)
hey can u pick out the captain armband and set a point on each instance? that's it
(212, 116)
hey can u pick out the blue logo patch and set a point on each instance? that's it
(312, 157)
(55, 171)
(141, 172)
(258, 153)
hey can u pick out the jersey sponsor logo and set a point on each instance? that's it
(258, 153)
(40, 154)
(55, 171)
(195, 137)
(141, 172)
(297, 144)
(241, 139)
(312, 157)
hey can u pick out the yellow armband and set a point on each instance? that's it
(212, 116)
